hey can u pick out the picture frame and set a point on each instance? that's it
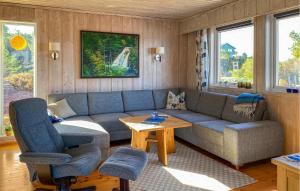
(109, 55)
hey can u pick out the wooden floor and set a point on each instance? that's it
(14, 175)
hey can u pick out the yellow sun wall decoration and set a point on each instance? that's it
(18, 42)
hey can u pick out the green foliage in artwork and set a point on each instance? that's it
(100, 53)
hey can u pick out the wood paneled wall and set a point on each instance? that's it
(177, 68)
(235, 11)
(284, 108)
(63, 75)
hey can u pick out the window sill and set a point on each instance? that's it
(230, 90)
(281, 92)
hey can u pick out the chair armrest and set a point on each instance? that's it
(45, 158)
(253, 141)
(71, 140)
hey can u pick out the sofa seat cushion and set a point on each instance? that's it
(77, 101)
(136, 100)
(160, 97)
(120, 135)
(84, 125)
(194, 117)
(105, 102)
(229, 114)
(174, 112)
(110, 121)
(139, 113)
(211, 104)
(212, 131)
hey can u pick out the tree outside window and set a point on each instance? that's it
(235, 59)
(288, 52)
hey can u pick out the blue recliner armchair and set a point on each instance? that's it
(51, 158)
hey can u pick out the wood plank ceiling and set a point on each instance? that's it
(169, 9)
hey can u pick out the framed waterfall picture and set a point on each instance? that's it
(109, 55)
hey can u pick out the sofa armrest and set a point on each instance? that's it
(45, 158)
(253, 141)
(71, 140)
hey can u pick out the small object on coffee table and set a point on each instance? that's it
(156, 120)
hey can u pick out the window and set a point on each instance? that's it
(234, 54)
(17, 65)
(286, 72)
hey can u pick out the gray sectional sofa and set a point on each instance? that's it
(216, 128)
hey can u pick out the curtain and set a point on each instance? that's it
(202, 59)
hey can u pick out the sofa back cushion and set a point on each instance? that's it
(211, 104)
(191, 99)
(136, 100)
(161, 96)
(77, 101)
(105, 102)
(230, 115)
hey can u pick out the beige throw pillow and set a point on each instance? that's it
(61, 109)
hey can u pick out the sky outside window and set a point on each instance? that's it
(242, 39)
(285, 27)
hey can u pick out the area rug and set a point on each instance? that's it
(188, 170)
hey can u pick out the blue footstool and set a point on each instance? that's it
(125, 163)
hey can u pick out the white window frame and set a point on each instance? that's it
(272, 49)
(2, 22)
(216, 52)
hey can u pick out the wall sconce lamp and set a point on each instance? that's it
(54, 48)
(159, 51)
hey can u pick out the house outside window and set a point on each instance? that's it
(234, 55)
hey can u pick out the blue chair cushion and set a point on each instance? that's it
(85, 160)
(33, 128)
(126, 163)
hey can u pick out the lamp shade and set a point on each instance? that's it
(160, 50)
(54, 46)
(18, 42)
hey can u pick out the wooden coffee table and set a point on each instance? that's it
(164, 138)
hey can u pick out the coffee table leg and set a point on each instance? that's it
(161, 136)
(170, 141)
(138, 140)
